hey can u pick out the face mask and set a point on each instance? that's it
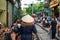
(19, 25)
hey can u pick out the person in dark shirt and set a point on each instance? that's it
(27, 27)
(52, 29)
(15, 30)
(26, 32)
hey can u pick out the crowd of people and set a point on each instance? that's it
(53, 24)
(23, 28)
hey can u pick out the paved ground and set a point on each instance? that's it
(43, 27)
(46, 29)
(43, 35)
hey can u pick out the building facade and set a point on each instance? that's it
(6, 12)
(9, 12)
(3, 12)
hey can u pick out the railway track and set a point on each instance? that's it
(43, 35)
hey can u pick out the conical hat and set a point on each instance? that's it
(53, 3)
(27, 19)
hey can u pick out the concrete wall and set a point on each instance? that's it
(3, 15)
(9, 14)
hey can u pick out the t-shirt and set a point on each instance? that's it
(15, 29)
(28, 29)
(18, 25)
(53, 24)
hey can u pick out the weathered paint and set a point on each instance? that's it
(10, 11)
(3, 15)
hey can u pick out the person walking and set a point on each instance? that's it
(52, 29)
(35, 17)
(18, 23)
(58, 26)
(27, 27)
(15, 31)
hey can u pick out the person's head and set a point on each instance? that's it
(14, 24)
(45, 17)
(34, 15)
(58, 18)
(18, 20)
(27, 20)
(52, 18)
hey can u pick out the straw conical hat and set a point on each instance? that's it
(53, 3)
(27, 19)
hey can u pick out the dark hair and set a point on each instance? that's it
(53, 17)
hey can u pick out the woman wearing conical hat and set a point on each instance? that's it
(27, 27)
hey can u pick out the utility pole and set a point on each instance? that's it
(32, 8)
(7, 12)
